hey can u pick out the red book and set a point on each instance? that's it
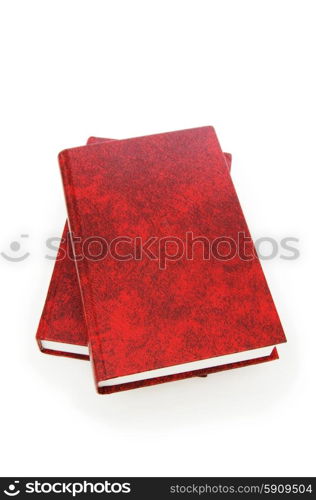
(169, 276)
(62, 330)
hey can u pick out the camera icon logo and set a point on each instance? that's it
(15, 247)
(13, 491)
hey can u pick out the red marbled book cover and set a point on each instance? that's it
(62, 320)
(141, 317)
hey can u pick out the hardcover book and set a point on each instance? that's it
(171, 283)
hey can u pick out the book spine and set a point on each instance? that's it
(75, 226)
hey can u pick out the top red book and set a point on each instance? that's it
(169, 275)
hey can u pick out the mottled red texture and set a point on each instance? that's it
(62, 318)
(139, 317)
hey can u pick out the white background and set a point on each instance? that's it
(70, 69)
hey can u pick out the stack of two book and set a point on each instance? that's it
(157, 278)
